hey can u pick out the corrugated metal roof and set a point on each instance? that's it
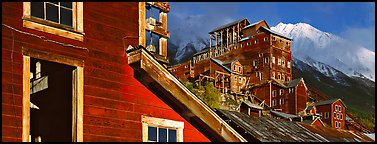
(274, 32)
(248, 103)
(245, 38)
(281, 114)
(294, 82)
(250, 25)
(227, 25)
(266, 129)
(326, 102)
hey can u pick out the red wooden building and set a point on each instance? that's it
(264, 65)
(333, 112)
(66, 76)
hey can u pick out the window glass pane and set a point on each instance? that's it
(66, 4)
(66, 16)
(52, 12)
(37, 9)
(162, 134)
(152, 133)
(172, 135)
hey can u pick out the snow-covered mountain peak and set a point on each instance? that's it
(343, 55)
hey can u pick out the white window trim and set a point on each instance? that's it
(77, 22)
(326, 115)
(160, 122)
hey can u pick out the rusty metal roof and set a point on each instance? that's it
(330, 101)
(252, 105)
(283, 115)
(276, 33)
(218, 62)
(294, 82)
(266, 129)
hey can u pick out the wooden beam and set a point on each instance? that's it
(186, 97)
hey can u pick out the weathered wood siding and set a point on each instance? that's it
(114, 100)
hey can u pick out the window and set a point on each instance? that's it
(265, 39)
(235, 78)
(186, 66)
(337, 116)
(239, 69)
(289, 78)
(273, 93)
(260, 55)
(248, 43)
(281, 41)
(273, 75)
(241, 45)
(60, 18)
(279, 61)
(336, 107)
(260, 76)
(340, 108)
(326, 115)
(336, 124)
(281, 91)
(289, 90)
(279, 76)
(341, 116)
(283, 62)
(289, 64)
(234, 68)
(274, 38)
(66, 107)
(273, 102)
(254, 62)
(339, 123)
(281, 101)
(273, 60)
(161, 130)
(256, 41)
(334, 115)
(266, 60)
(240, 79)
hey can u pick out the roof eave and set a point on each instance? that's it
(161, 82)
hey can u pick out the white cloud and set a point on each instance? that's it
(362, 36)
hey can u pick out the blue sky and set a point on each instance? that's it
(354, 21)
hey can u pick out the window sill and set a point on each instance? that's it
(29, 23)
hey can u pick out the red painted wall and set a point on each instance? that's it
(181, 71)
(322, 109)
(331, 109)
(114, 100)
(341, 112)
(302, 96)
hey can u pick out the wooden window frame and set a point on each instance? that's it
(77, 91)
(75, 32)
(162, 123)
(327, 115)
(281, 92)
